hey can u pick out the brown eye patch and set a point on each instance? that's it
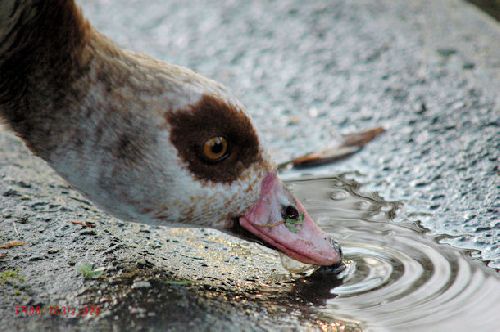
(191, 129)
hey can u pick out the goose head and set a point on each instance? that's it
(226, 179)
(145, 140)
(189, 155)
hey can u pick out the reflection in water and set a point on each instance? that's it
(395, 278)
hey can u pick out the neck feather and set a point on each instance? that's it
(42, 54)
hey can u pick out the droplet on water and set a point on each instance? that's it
(338, 195)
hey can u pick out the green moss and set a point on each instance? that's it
(88, 272)
(8, 276)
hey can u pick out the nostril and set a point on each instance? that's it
(289, 212)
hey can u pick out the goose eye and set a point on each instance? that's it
(215, 149)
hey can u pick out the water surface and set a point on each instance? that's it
(396, 278)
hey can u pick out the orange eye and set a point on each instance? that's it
(215, 149)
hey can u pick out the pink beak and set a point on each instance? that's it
(281, 221)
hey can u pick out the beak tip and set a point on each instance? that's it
(338, 250)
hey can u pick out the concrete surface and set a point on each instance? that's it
(428, 71)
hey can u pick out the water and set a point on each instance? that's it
(396, 277)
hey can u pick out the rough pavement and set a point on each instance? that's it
(428, 71)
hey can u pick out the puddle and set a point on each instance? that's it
(396, 277)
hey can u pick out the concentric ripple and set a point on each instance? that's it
(396, 279)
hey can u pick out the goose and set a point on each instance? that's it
(146, 141)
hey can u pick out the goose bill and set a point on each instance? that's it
(299, 238)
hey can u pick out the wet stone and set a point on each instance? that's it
(37, 258)
(446, 52)
(23, 184)
(141, 284)
(11, 193)
(88, 232)
(143, 263)
(38, 205)
(22, 219)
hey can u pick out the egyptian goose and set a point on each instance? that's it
(145, 140)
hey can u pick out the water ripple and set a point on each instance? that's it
(395, 278)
